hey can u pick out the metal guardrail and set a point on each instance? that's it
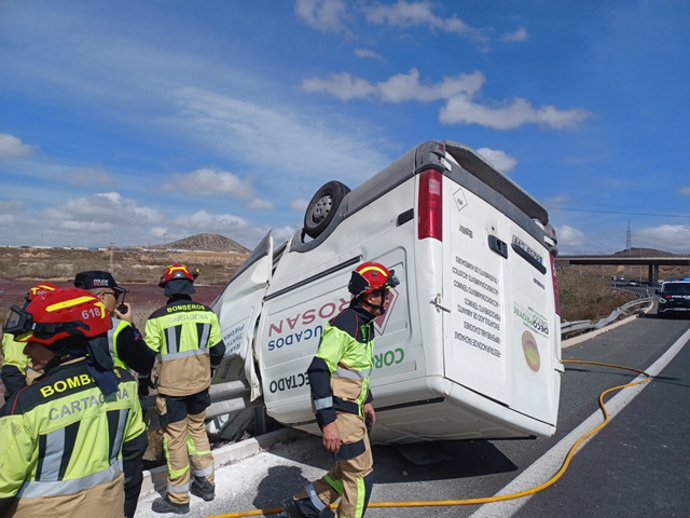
(577, 326)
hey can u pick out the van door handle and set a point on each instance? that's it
(440, 303)
(498, 246)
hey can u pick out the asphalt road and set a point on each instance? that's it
(637, 466)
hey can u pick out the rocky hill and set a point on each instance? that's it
(212, 242)
(643, 252)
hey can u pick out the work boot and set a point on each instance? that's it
(163, 505)
(202, 488)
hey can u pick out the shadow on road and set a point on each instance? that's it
(463, 459)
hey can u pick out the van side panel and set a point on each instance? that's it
(294, 319)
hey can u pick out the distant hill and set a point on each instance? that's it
(214, 242)
(643, 252)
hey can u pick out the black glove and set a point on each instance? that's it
(144, 383)
(369, 422)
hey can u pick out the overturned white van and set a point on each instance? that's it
(470, 346)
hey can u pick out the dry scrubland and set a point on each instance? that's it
(585, 292)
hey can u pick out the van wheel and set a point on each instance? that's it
(323, 206)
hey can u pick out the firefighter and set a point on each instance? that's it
(342, 399)
(66, 439)
(15, 363)
(125, 343)
(187, 336)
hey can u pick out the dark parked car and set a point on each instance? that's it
(674, 297)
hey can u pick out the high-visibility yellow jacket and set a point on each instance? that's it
(128, 349)
(187, 336)
(339, 373)
(64, 446)
(14, 364)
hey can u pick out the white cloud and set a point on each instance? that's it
(397, 89)
(90, 177)
(160, 233)
(203, 220)
(11, 206)
(368, 54)
(7, 219)
(282, 233)
(684, 191)
(461, 110)
(569, 236)
(260, 204)
(12, 147)
(517, 36)
(278, 140)
(209, 182)
(323, 15)
(499, 159)
(458, 91)
(415, 14)
(299, 205)
(342, 86)
(672, 238)
(89, 227)
(100, 213)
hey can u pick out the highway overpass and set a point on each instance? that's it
(622, 260)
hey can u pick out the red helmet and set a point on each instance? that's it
(40, 289)
(59, 314)
(370, 277)
(178, 271)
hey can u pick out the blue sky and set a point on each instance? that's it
(139, 123)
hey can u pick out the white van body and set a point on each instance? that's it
(470, 346)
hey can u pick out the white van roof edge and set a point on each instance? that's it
(479, 167)
(474, 173)
(259, 251)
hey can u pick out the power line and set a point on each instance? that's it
(623, 213)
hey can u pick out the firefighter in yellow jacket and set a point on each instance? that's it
(187, 336)
(342, 400)
(71, 443)
(15, 363)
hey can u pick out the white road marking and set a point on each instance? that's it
(549, 463)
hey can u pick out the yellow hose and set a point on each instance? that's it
(500, 498)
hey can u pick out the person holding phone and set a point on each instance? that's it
(125, 343)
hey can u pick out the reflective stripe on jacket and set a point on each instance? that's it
(61, 444)
(183, 333)
(339, 374)
(113, 333)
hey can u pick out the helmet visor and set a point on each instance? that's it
(18, 321)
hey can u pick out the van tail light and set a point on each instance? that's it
(430, 223)
(554, 278)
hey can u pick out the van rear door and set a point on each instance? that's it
(238, 309)
(476, 353)
(499, 336)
